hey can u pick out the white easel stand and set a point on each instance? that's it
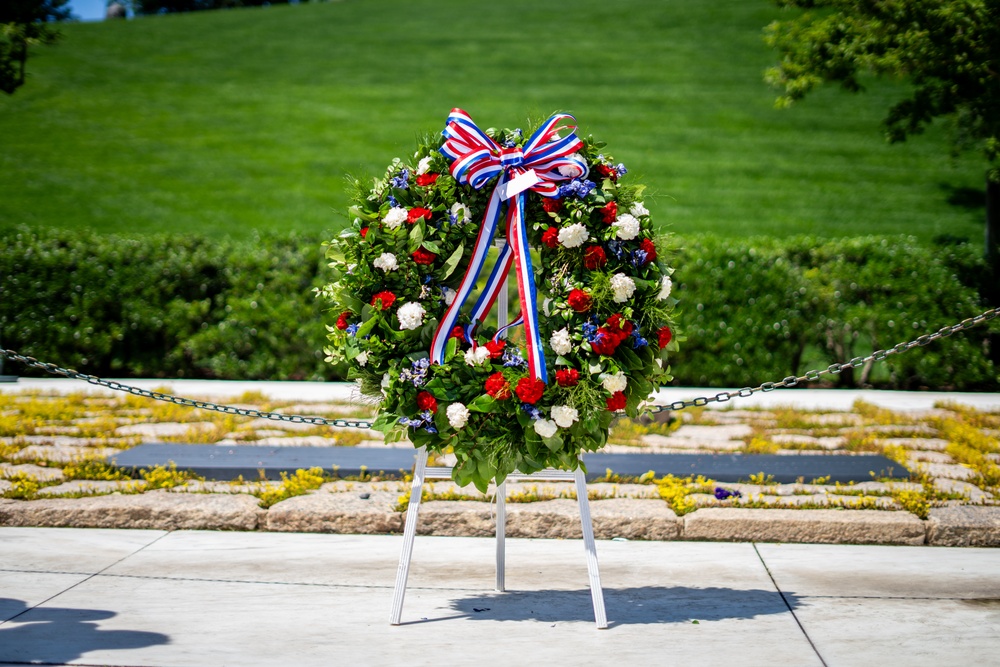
(421, 471)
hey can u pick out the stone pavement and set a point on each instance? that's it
(191, 598)
(55, 435)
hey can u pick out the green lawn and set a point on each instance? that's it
(224, 122)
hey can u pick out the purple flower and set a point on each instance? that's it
(425, 421)
(352, 329)
(722, 494)
(393, 202)
(576, 188)
(620, 168)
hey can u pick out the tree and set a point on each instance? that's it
(24, 23)
(948, 50)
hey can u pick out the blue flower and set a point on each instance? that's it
(352, 329)
(393, 202)
(532, 411)
(589, 329)
(722, 493)
(576, 188)
(617, 249)
(513, 359)
(620, 168)
(425, 421)
(639, 258)
(401, 181)
(453, 217)
(417, 373)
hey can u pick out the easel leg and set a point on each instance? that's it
(409, 533)
(596, 592)
(501, 533)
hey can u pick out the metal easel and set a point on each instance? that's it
(422, 472)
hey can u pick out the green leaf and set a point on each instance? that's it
(416, 236)
(484, 403)
(431, 246)
(450, 349)
(554, 443)
(451, 263)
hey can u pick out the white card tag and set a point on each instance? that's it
(519, 184)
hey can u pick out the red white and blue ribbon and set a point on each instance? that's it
(476, 159)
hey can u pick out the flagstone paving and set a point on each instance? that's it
(53, 443)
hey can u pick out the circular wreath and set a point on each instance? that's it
(603, 290)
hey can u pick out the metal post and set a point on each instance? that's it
(596, 592)
(501, 535)
(409, 533)
(501, 493)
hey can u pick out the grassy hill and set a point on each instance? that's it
(224, 122)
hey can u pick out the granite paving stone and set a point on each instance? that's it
(788, 525)
(163, 429)
(965, 526)
(93, 487)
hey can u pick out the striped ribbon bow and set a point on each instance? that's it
(544, 160)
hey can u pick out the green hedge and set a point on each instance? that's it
(752, 310)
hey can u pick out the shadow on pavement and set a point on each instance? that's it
(626, 606)
(52, 635)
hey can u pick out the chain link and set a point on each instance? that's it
(701, 401)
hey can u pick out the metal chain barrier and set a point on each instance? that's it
(722, 397)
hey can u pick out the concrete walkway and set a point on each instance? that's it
(129, 597)
(805, 399)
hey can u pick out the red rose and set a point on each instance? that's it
(425, 401)
(497, 386)
(342, 320)
(568, 377)
(607, 172)
(606, 342)
(579, 301)
(416, 213)
(594, 257)
(616, 401)
(530, 390)
(458, 332)
(551, 204)
(423, 180)
(664, 335)
(386, 298)
(496, 348)
(364, 232)
(609, 212)
(550, 237)
(422, 256)
(650, 250)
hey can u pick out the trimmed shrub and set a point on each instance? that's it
(752, 310)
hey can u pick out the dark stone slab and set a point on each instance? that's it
(226, 462)
(738, 467)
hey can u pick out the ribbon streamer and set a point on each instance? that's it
(475, 160)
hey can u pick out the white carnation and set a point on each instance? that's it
(638, 209)
(458, 415)
(395, 217)
(477, 356)
(627, 227)
(449, 296)
(560, 342)
(411, 315)
(623, 287)
(461, 212)
(573, 236)
(665, 286)
(564, 416)
(545, 427)
(424, 165)
(386, 261)
(616, 382)
(362, 359)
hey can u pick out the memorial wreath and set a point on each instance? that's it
(595, 302)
